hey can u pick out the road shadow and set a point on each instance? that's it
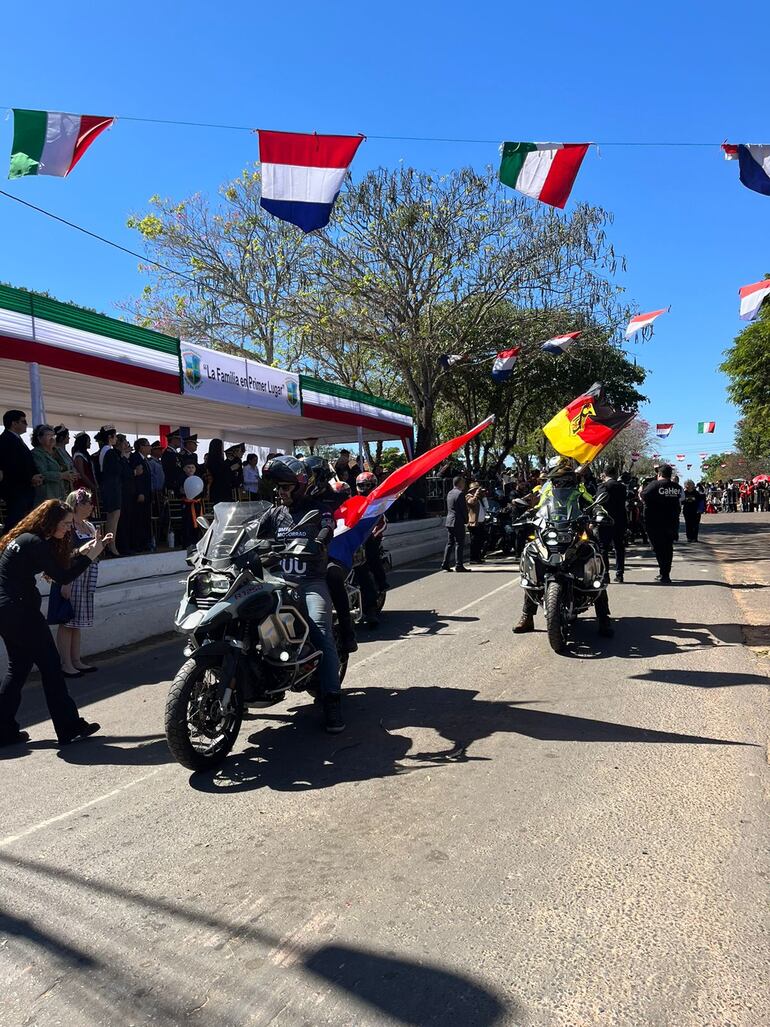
(745, 585)
(397, 624)
(702, 678)
(411, 992)
(290, 753)
(102, 750)
(638, 638)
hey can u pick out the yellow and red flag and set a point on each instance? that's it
(584, 427)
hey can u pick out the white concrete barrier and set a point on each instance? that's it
(137, 597)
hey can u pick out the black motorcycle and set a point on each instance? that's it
(501, 535)
(562, 567)
(248, 635)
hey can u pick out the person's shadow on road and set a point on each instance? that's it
(647, 637)
(291, 753)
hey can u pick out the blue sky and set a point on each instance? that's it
(662, 72)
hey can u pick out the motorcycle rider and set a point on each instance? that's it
(562, 475)
(366, 482)
(307, 573)
(319, 488)
(612, 495)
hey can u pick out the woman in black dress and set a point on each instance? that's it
(110, 487)
(220, 474)
(40, 543)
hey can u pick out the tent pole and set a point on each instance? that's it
(360, 446)
(36, 395)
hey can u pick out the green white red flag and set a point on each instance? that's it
(51, 143)
(544, 171)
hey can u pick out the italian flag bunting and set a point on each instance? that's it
(50, 143)
(544, 171)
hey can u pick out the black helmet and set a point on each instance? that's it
(318, 472)
(287, 470)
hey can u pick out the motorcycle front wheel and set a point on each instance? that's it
(199, 732)
(555, 616)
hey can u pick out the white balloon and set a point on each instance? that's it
(193, 486)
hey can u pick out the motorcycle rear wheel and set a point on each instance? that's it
(555, 618)
(195, 737)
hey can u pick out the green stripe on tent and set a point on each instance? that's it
(23, 302)
(342, 392)
(514, 155)
(29, 129)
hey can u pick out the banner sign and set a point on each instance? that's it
(230, 379)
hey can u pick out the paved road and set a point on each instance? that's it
(502, 836)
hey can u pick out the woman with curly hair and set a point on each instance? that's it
(40, 543)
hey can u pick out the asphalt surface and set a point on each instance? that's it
(501, 836)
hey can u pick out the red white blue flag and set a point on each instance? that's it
(560, 343)
(357, 517)
(302, 175)
(752, 297)
(502, 365)
(753, 165)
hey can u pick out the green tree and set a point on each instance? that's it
(747, 364)
(418, 266)
(229, 268)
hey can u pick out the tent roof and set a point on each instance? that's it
(96, 370)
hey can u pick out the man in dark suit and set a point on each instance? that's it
(190, 450)
(612, 495)
(19, 474)
(172, 468)
(456, 519)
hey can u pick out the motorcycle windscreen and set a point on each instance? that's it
(561, 507)
(226, 529)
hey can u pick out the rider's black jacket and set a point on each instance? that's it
(612, 495)
(280, 523)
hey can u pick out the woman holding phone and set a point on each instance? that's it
(39, 544)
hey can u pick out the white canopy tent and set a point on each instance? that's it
(84, 370)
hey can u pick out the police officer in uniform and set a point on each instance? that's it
(661, 517)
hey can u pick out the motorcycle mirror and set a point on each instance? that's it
(310, 516)
(203, 523)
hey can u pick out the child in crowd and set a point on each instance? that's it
(79, 594)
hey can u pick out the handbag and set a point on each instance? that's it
(60, 610)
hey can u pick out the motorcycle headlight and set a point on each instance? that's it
(551, 536)
(206, 584)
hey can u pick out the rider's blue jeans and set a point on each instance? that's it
(319, 606)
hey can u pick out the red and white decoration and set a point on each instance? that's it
(752, 297)
(642, 321)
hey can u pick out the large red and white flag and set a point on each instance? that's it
(357, 516)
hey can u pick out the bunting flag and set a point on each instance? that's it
(752, 297)
(703, 455)
(544, 171)
(689, 467)
(663, 430)
(635, 457)
(641, 321)
(706, 427)
(561, 343)
(51, 143)
(448, 360)
(584, 427)
(357, 517)
(753, 165)
(502, 365)
(302, 175)
(680, 456)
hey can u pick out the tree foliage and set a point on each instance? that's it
(230, 267)
(747, 364)
(418, 266)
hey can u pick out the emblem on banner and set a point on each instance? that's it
(292, 393)
(191, 368)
